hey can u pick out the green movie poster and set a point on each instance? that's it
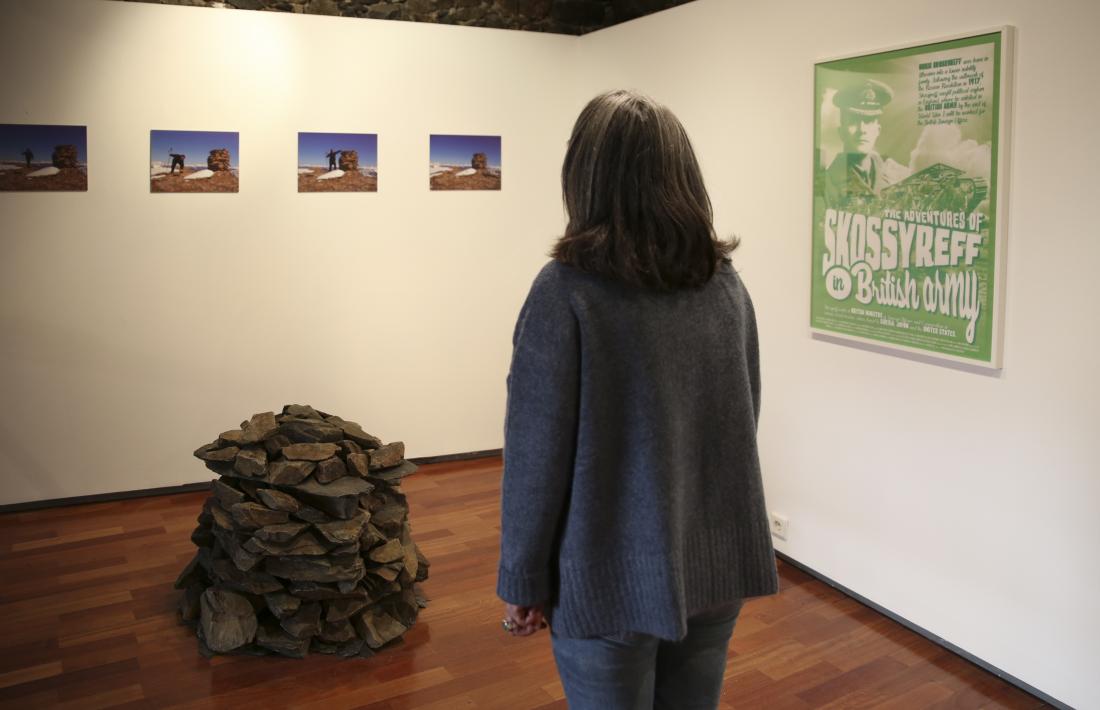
(906, 235)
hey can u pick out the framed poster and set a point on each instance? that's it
(464, 162)
(194, 161)
(43, 158)
(909, 197)
(337, 162)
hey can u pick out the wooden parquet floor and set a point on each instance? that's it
(88, 620)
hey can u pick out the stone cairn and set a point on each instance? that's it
(305, 543)
(218, 159)
(349, 160)
(64, 156)
(479, 161)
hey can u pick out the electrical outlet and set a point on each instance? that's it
(780, 525)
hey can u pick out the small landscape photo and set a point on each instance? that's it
(337, 162)
(37, 157)
(464, 162)
(194, 161)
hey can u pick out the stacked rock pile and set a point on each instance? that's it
(349, 160)
(218, 159)
(479, 161)
(305, 543)
(64, 156)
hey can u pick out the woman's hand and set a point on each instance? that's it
(525, 620)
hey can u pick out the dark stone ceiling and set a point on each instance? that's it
(575, 17)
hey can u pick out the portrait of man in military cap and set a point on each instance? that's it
(858, 171)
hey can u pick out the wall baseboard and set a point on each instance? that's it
(102, 497)
(943, 643)
(200, 486)
(469, 455)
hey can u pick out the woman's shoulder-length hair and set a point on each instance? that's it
(638, 210)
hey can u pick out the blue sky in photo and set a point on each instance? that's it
(313, 147)
(15, 138)
(196, 145)
(458, 150)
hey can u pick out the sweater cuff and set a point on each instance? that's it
(522, 589)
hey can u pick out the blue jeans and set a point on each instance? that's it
(634, 671)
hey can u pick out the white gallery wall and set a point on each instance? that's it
(137, 326)
(968, 504)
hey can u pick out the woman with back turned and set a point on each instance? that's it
(633, 514)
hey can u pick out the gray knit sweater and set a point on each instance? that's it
(632, 496)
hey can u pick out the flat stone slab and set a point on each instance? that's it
(340, 631)
(314, 591)
(378, 628)
(371, 537)
(309, 452)
(251, 461)
(395, 473)
(389, 455)
(312, 515)
(217, 453)
(330, 469)
(227, 495)
(404, 606)
(231, 544)
(277, 640)
(252, 582)
(280, 533)
(346, 486)
(282, 604)
(302, 411)
(342, 532)
(304, 544)
(390, 552)
(310, 431)
(274, 444)
(353, 431)
(305, 622)
(389, 518)
(315, 569)
(254, 515)
(386, 573)
(227, 620)
(412, 562)
(259, 427)
(339, 609)
(288, 473)
(221, 517)
(358, 464)
(277, 500)
(233, 437)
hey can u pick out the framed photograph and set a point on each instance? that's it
(194, 161)
(910, 194)
(43, 158)
(464, 162)
(337, 162)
